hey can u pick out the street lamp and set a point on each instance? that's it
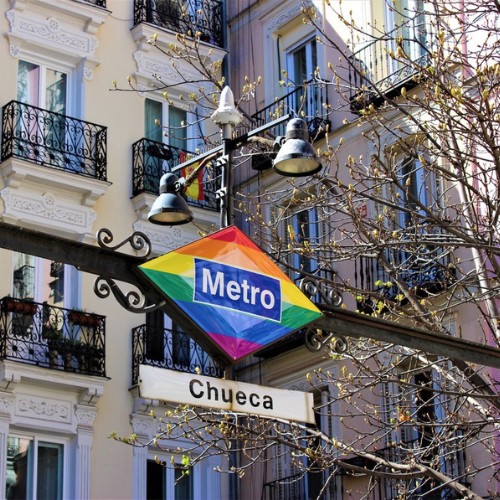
(296, 158)
(170, 208)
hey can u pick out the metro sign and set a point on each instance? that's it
(232, 291)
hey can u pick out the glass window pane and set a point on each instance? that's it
(177, 129)
(300, 66)
(183, 485)
(55, 92)
(28, 78)
(19, 469)
(155, 336)
(49, 471)
(24, 276)
(155, 489)
(153, 112)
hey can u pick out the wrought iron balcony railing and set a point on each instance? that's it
(99, 3)
(166, 348)
(453, 464)
(53, 140)
(305, 101)
(153, 159)
(375, 64)
(286, 487)
(423, 275)
(52, 337)
(298, 487)
(184, 16)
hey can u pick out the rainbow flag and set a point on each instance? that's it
(232, 291)
(195, 191)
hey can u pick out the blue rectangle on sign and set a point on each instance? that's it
(235, 288)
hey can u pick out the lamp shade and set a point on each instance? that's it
(297, 157)
(170, 208)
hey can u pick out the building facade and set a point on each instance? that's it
(77, 157)
(83, 150)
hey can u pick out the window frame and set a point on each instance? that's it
(188, 142)
(169, 478)
(47, 64)
(64, 467)
(71, 282)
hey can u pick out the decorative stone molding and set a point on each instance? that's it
(6, 405)
(85, 416)
(164, 238)
(46, 209)
(151, 61)
(43, 409)
(41, 26)
(45, 198)
(167, 238)
(50, 33)
(90, 16)
(152, 71)
(287, 13)
(143, 425)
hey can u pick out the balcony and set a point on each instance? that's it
(453, 464)
(153, 159)
(302, 486)
(98, 3)
(166, 348)
(305, 101)
(372, 67)
(53, 140)
(425, 275)
(205, 16)
(52, 337)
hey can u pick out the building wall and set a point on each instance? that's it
(99, 44)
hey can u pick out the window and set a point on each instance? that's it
(306, 480)
(167, 348)
(42, 86)
(412, 411)
(168, 484)
(406, 15)
(167, 116)
(300, 229)
(301, 63)
(45, 132)
(156, 157)
(34, 469)
(44, 281)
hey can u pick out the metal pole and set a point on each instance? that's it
(227, 178)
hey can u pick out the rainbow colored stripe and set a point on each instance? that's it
(237, 332)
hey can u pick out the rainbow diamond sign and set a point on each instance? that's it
(232, 291)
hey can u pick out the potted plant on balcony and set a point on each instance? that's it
(82, 318)
(87, 356)
(20, 306)
(55, 340)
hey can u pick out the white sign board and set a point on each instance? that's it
(228, 395)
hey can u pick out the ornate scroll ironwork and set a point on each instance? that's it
(315, 340)
(320, 290)
(138, 241)
(132, 301)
